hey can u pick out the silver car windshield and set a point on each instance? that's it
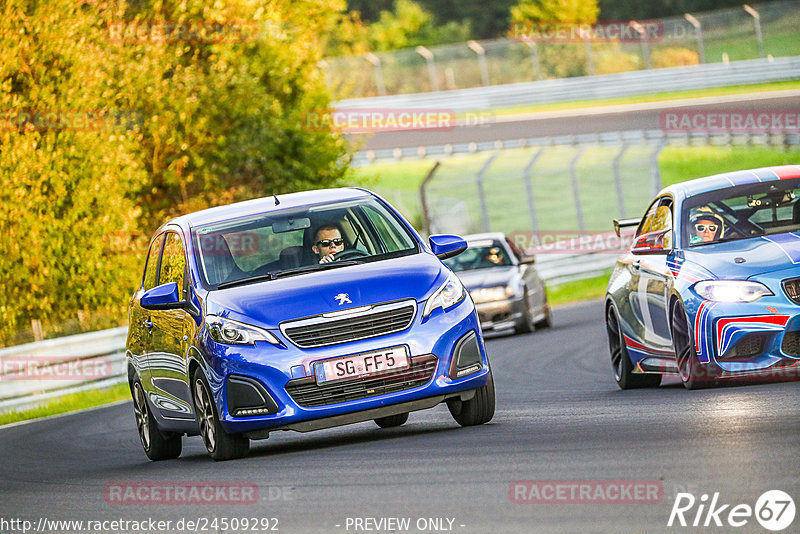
(294, 241)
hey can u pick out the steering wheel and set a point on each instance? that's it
(350, 254)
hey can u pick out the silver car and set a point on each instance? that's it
(503, 283)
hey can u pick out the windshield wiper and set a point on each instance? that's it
(273, 275)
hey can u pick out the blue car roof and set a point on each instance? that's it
(267, 204)
(728, 179)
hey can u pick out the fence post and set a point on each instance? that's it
(428, 55)
(575, 190)
(376, 64)
(478, 49)
(655, 171)
(487, 227)
(423, 200)
(757, 21)
(701, 51)
(526, 173)
(618, 180)
(537, 67)
(36, 326)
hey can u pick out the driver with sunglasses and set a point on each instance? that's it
(327, 242)
(706, 226)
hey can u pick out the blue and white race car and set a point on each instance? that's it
(710, 288)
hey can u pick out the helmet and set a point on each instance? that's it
(705, 213)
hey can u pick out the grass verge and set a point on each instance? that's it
(588, 288)
(70, 403)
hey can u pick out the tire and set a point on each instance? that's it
(621, 360)
(392, 420)
(692, 373)
(156, 445)
(476, 411)
(219, 444)
(547, 322)
(526, 324)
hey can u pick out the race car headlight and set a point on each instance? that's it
(731, 290)
(449, 294)
(491, 294)
(231, 332)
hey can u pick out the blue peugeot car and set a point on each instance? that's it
(710, 289)
(299, 312)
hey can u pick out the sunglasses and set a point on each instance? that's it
(704, 227)
(328, 242)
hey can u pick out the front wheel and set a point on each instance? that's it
(476, 411)
(156, 445)
(219, 444)
(621, 360)
(692, 373)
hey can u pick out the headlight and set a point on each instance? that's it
(731, 290)
(491, 294)
(449, 294)
(231, 332)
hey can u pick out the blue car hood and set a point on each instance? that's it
(760, 256)
(271, 302)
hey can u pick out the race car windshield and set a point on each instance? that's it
(742, 212)
(481, 255)
(282, 243)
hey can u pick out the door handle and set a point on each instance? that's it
(149, 325)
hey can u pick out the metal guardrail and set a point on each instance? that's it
(590, 87)
(32, 373)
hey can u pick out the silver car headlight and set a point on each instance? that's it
(230, 332)
(450, 293)
(731, 290)
(491, 294)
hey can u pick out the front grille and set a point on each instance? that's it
(321, 331)
(306, 392)
(792, 289)
(791, 343)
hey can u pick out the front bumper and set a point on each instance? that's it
(759, 338)
(501, 315)
(278, 369)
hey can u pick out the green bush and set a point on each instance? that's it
(104, 134)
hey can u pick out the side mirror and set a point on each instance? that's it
(653, 243)
(163, 297)
(527, 259)
(446, 245)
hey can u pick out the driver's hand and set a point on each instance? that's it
(327, 259)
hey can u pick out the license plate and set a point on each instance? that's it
(361, 365)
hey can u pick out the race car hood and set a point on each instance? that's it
(747, 257)
(271, 302)
(491, 277)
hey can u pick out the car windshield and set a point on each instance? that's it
(287, 242)
(480, 255)
(741, 212)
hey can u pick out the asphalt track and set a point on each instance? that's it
(647, 116)
(560, 417)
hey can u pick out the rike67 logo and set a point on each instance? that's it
(774, 510)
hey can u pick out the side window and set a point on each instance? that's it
(393, 236)
(658, 219)
(173, 261)
(151, 268)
